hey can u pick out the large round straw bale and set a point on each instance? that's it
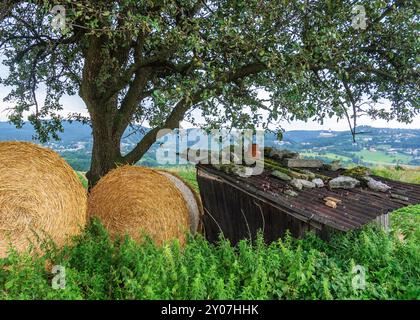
(194, 204)
(137, 201)
(40, 196)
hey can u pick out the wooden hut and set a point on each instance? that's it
(239, 206)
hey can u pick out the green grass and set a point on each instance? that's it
(330, 156)
(381, 157)
(372, 157)
(409, 175)
(98, 268)
(82, 179)
(188, 174)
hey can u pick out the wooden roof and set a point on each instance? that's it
(359, 205)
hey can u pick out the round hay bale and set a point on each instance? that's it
(136, 201)
(40, 196)
(195, 207)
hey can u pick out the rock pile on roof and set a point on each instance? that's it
(301, 173)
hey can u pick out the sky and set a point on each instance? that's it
(74, 104)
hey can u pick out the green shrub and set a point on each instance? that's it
(309, 268)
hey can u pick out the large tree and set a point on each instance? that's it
(241, 63)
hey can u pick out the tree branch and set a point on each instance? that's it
(184, 105)
(131, 100)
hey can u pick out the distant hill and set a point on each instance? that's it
(375, 146)
(74, 131)
(75, 142)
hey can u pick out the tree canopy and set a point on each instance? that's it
(240, 63)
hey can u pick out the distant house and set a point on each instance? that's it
(326, 134)
(281, 143)
(413, 152)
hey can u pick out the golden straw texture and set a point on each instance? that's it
(40, 195)
(191, 197)
(136, 201)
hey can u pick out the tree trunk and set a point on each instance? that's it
(105, 157)
(106, 152)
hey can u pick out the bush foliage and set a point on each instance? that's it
(309, 268)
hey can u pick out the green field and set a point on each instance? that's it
(328, 155)
(188, 173)
(409, 175)
(367, 156)
(380, 157)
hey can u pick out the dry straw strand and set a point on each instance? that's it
(40, 195)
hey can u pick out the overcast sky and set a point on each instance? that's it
(75, 104)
